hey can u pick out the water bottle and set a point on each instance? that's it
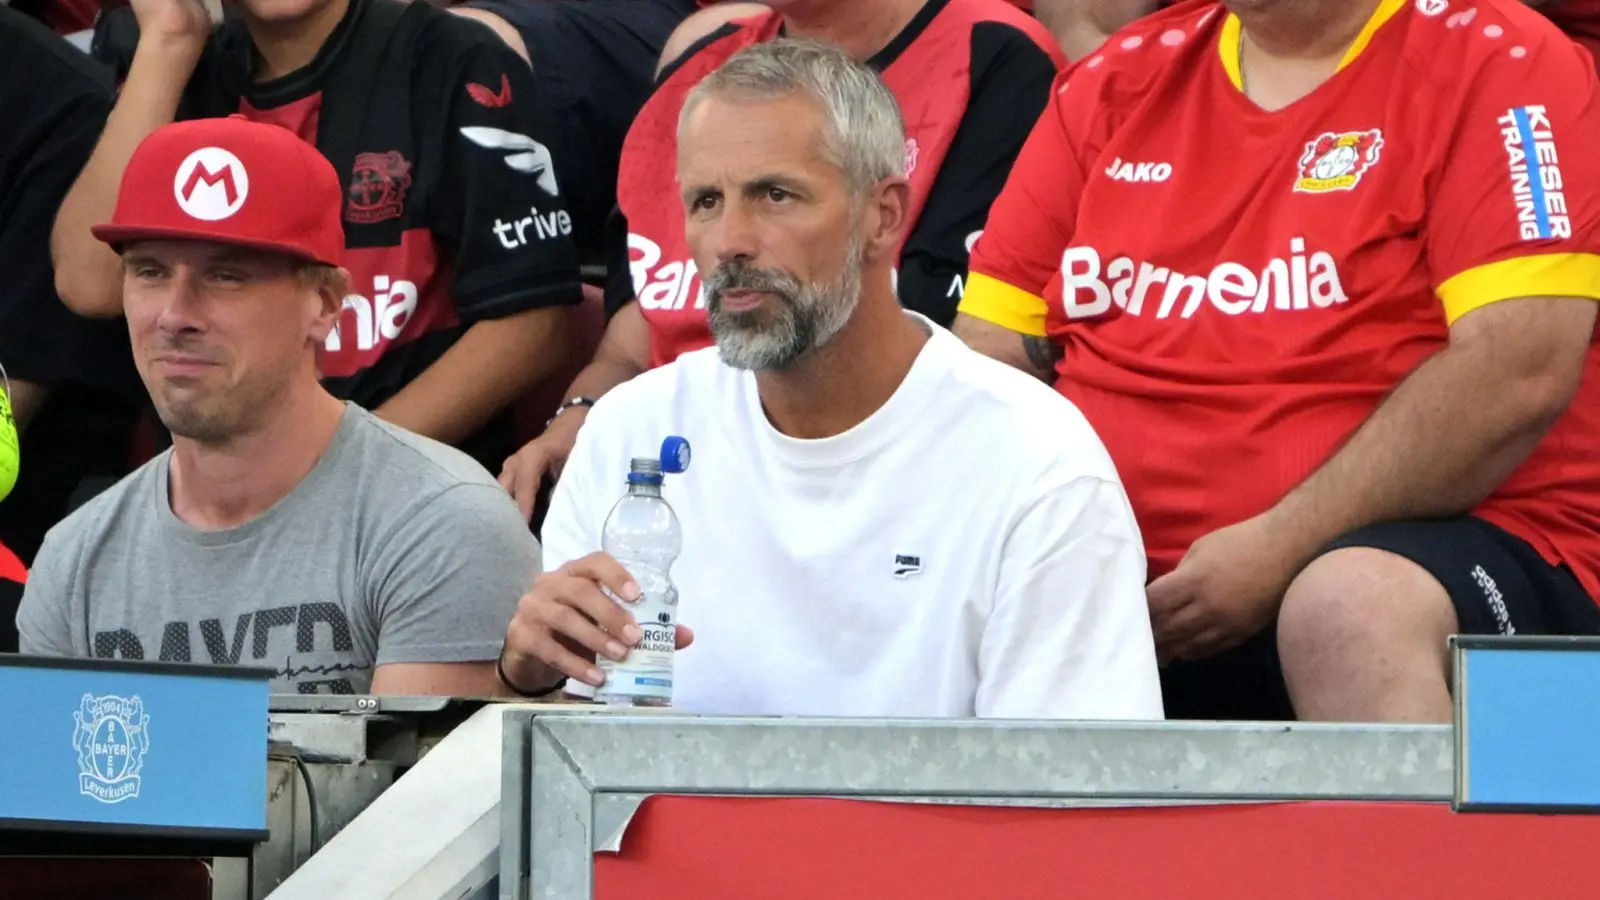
(642, 534)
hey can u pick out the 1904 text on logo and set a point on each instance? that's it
(1298, 282)
(662, 285)
(379, 319)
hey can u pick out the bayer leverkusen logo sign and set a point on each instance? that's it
(211, 184)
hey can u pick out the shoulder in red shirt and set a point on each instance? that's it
(971, 77)
(1236, 290)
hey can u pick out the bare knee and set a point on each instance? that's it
(1359, 630)
(700, 25)
(1359, 597)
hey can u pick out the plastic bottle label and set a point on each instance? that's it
(647, 672)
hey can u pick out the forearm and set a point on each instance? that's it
(1035, 354)
(493, 365)
(624, 353)
(1438, 446)
(88, 273)
(603, 373)
(26, 400)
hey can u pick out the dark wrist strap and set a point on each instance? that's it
(500, 669)
(570, 403)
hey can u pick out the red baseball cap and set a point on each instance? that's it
(231, 181)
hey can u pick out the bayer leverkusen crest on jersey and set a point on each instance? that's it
(1336, 162)
(1308, 258)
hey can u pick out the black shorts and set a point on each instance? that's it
(1497, 583)
(596, 64)
(10, 599)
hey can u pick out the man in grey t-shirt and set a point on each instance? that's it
(284, 528)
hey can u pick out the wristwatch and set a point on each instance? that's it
(567, 404)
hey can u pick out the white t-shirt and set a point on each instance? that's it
(966, 551)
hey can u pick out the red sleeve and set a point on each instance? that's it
(1033, 218)
(1515, 208)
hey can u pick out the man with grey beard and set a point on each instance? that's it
(878, 521)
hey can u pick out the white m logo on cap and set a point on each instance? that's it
(534, 158)
(211, 184)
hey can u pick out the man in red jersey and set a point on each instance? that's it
(971, 77)
(1322, 274)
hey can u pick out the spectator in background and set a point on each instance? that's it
(74, 392)
(820, 567)
(1355, 398)
(594, 61)
(971, 76)
(357, 556)
(1580, 19)
(1083, 25)
(460, 246)
(64, 17)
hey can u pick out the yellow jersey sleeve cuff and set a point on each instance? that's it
(992, 300)
(1545, 275)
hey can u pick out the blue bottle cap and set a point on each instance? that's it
(674, 454)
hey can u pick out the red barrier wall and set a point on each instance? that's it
(701, 848)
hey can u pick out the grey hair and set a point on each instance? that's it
(865, 137)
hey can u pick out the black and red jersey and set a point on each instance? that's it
(453, 212)
(971, 76)
(53, 102)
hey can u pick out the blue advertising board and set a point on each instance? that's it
(1527, 724)
(111, 747)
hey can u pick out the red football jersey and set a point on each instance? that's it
(952, 49)
(1235, 290)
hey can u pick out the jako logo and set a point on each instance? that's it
(1536, 186)
(1138, 172)
(532, 157)
(664, 286)
(211, 184)
(379, 319)
(1294, 283)
(545, 225)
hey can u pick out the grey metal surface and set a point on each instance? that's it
(1460, 685)
(230, 879)
(561, 863)
(300, 826)
(347, 703)
(435, 834)
(613, 813)
(581, 762)
(1005, 759)
(516, 760)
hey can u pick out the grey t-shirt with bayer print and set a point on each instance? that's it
(394, 549)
